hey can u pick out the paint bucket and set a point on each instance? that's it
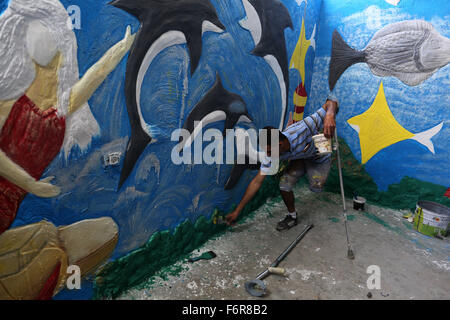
(323, 145)
(359, 203)
(432, 218)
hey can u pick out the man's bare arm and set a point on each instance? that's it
(252, 189)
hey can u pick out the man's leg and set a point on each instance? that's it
(289, 200)
(317, 174)
(288, 181)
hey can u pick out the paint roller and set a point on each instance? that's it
(256, 287)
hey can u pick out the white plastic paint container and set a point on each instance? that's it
(323, 145)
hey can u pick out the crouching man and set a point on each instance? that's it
(296, 144)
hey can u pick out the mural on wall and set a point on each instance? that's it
(412, 51)
(43, 109)
(163, 24)
(378, 129)
(266, 21)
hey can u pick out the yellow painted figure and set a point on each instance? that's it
(301, 49)
(298, 63)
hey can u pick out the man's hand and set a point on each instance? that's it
(232, 217)
(330, 119)
(252, 189)
(329, 125)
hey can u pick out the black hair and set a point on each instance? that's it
(270, 134)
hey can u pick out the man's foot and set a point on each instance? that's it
(287, 223)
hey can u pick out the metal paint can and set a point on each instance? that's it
(359, 203)
(432, 218)
(323, 145)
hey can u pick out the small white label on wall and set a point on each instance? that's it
(112, 159)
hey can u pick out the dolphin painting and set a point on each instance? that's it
(266, 20)
(412, 51)
(163, 23)
(218, 104)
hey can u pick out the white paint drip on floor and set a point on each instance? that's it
(442, 265)
(192, 285)
(305, 274)
(238, 280)
(221, 284)
(264, 262)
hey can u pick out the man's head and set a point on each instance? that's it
(273, 135)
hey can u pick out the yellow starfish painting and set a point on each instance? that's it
(378, 129)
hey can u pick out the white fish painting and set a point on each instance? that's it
(412, 51)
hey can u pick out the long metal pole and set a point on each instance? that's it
(350, 253)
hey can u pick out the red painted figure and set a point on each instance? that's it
(32, 138)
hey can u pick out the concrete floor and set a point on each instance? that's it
(413, 266)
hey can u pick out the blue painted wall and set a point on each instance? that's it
(416, 108)
(160, 195)
(3, 5)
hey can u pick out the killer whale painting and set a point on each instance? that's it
(266, 20)
(162, 24)
(218, 104)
